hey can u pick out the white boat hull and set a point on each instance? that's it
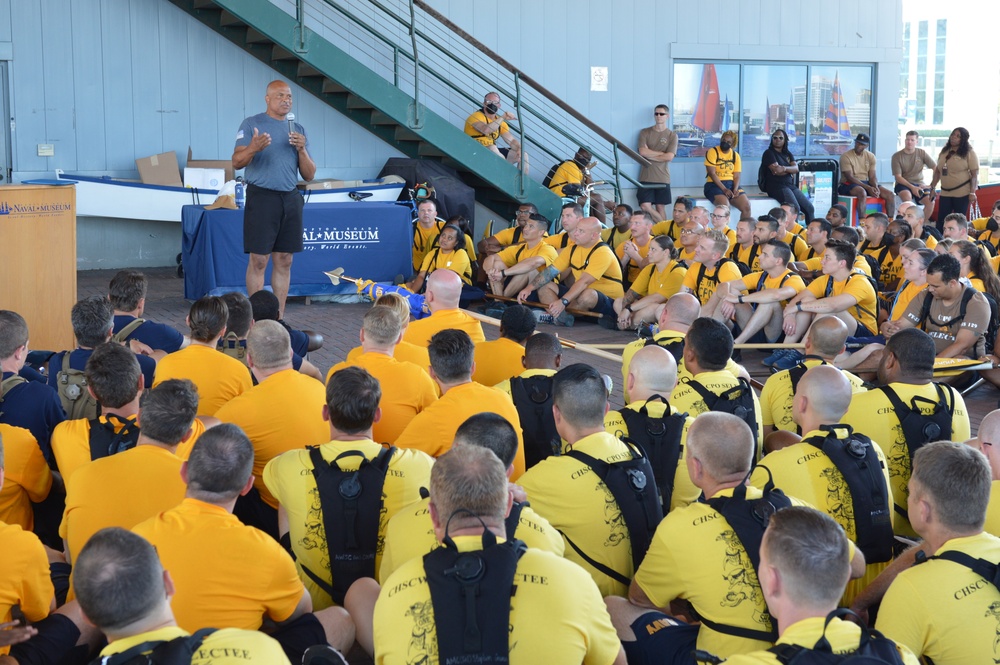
(109, 197)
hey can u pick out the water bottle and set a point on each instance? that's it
(240, 193)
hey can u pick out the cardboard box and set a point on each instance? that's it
(160, 169)
(224, 164)
(204, 178)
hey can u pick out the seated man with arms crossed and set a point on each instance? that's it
(510, 269)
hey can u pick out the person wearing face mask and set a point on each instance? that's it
(724, 168)
(576, 171)
(489, 124)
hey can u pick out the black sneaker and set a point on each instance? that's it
(608, 322)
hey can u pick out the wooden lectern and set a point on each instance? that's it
(38, 260)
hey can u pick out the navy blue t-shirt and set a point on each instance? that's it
(78, 360)
(35, 407)
(300, 341)
(157, 336)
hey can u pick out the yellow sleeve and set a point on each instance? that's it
(562, 260)
(336, 368)
(691, 277)
(729, 272)
(750, 281)
(816, 263)
(428, 261)
(641, 283)
(737, 163)
(509, 255)
(817, 287)
(547, 252)
(615, 424)
(673, 283)
(505, 236)
(599, 263)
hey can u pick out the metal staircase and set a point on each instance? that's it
(389, 70)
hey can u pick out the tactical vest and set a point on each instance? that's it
(532, 398)
(351, 502)
(105, 442)
(856, 459)
(470, 593)
(7, 384)
(629, 483)
(234, 347)
(178, 651)
(71, 384)
(874, 648)
(122, 335)
(737, 401)
(919, 429)
(748, 519)
(660, 439)
(734, 255)
(715, 276)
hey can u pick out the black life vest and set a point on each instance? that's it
(988, 570)
(586, 260)
(745, 268)
(737, 400)
(874, 648)
(178, 651)
(105, 442)
(532, 398)
(748, 519)
(674, 345)
(632, 484)
(856, 459)
(351, 502)
(470, 593)
(919, 429)
(874, 262)
(714, 277)
(660, 439)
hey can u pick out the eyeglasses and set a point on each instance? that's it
(659, 113)
(523, 212)
(986, 443)
(777, 137)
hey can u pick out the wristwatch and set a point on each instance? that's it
(739, 299)
(564, 302)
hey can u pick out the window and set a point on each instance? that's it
(921, 114)
(821, 107)
(939, 51)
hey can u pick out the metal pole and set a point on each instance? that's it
(300, 16)
(520, 122)
(416, 67)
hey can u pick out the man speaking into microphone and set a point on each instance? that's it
(272, 220)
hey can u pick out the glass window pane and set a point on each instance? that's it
(706, 100)
(774, 97)
(839, 107)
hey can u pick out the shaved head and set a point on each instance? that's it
(827, 336)
(446, 287)
(681, 309)
(828, 392)
(654, 372)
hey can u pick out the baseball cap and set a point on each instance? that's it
(863, 139)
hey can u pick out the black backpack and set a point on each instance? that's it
(873, 649)
(532, 398)
(875, 263)
(351, 502)
(178, 651)
(660, 439)
(470, 593)
(737, 400)
(857, 461)
(919, 429)
(734, 256)
(989, 335)
(105, 442)
(632, 483)
(715, 276)
(673, 345)
(547, 180)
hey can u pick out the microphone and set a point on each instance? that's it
(291, 120)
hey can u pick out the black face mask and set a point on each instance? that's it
(492, 107)
(725, 146)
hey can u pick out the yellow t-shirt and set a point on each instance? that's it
(497, 361)
(614, 237)
(872, 413)
(514, 254)
(800, 250)
(228, 646)
(943, 611)
(667, 228)
(860, 264)
(71, 444)
(993, 510)
(776, 396)
(651, 280)
(859, 287)
(599, 262)
(283, 412)
(686, 400)
(844, 636)
(226, 575)
(749, 256)
(633, 270)
(25, 581)
(788, 278)
(484, 139)
(804, 471)
(420, 332)
(664, 337)
(892, 267)
(903, 298)
(686, 255)
(290, 478)
(557, 616)
(508, 236)
(573, 499)
(411, 534)
(219, 378)
(559, 241)
(456, 261)
(684, 490)
(696, 555)
(433, 430)
(423, 240)
(704, 288)
(404, 352)
(504, 386)
(406, 391)
(568, 173)
(121, 490)
(26, 477)
(725, 163)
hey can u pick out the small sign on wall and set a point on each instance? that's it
(598, 79)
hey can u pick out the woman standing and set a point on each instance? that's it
(958, 171)
(779, 168)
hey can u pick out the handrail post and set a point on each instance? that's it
(618, 177)
(416, 67)
(395, 66)
(300, 17)
(520, 125)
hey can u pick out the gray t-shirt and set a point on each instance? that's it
(276, 166)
